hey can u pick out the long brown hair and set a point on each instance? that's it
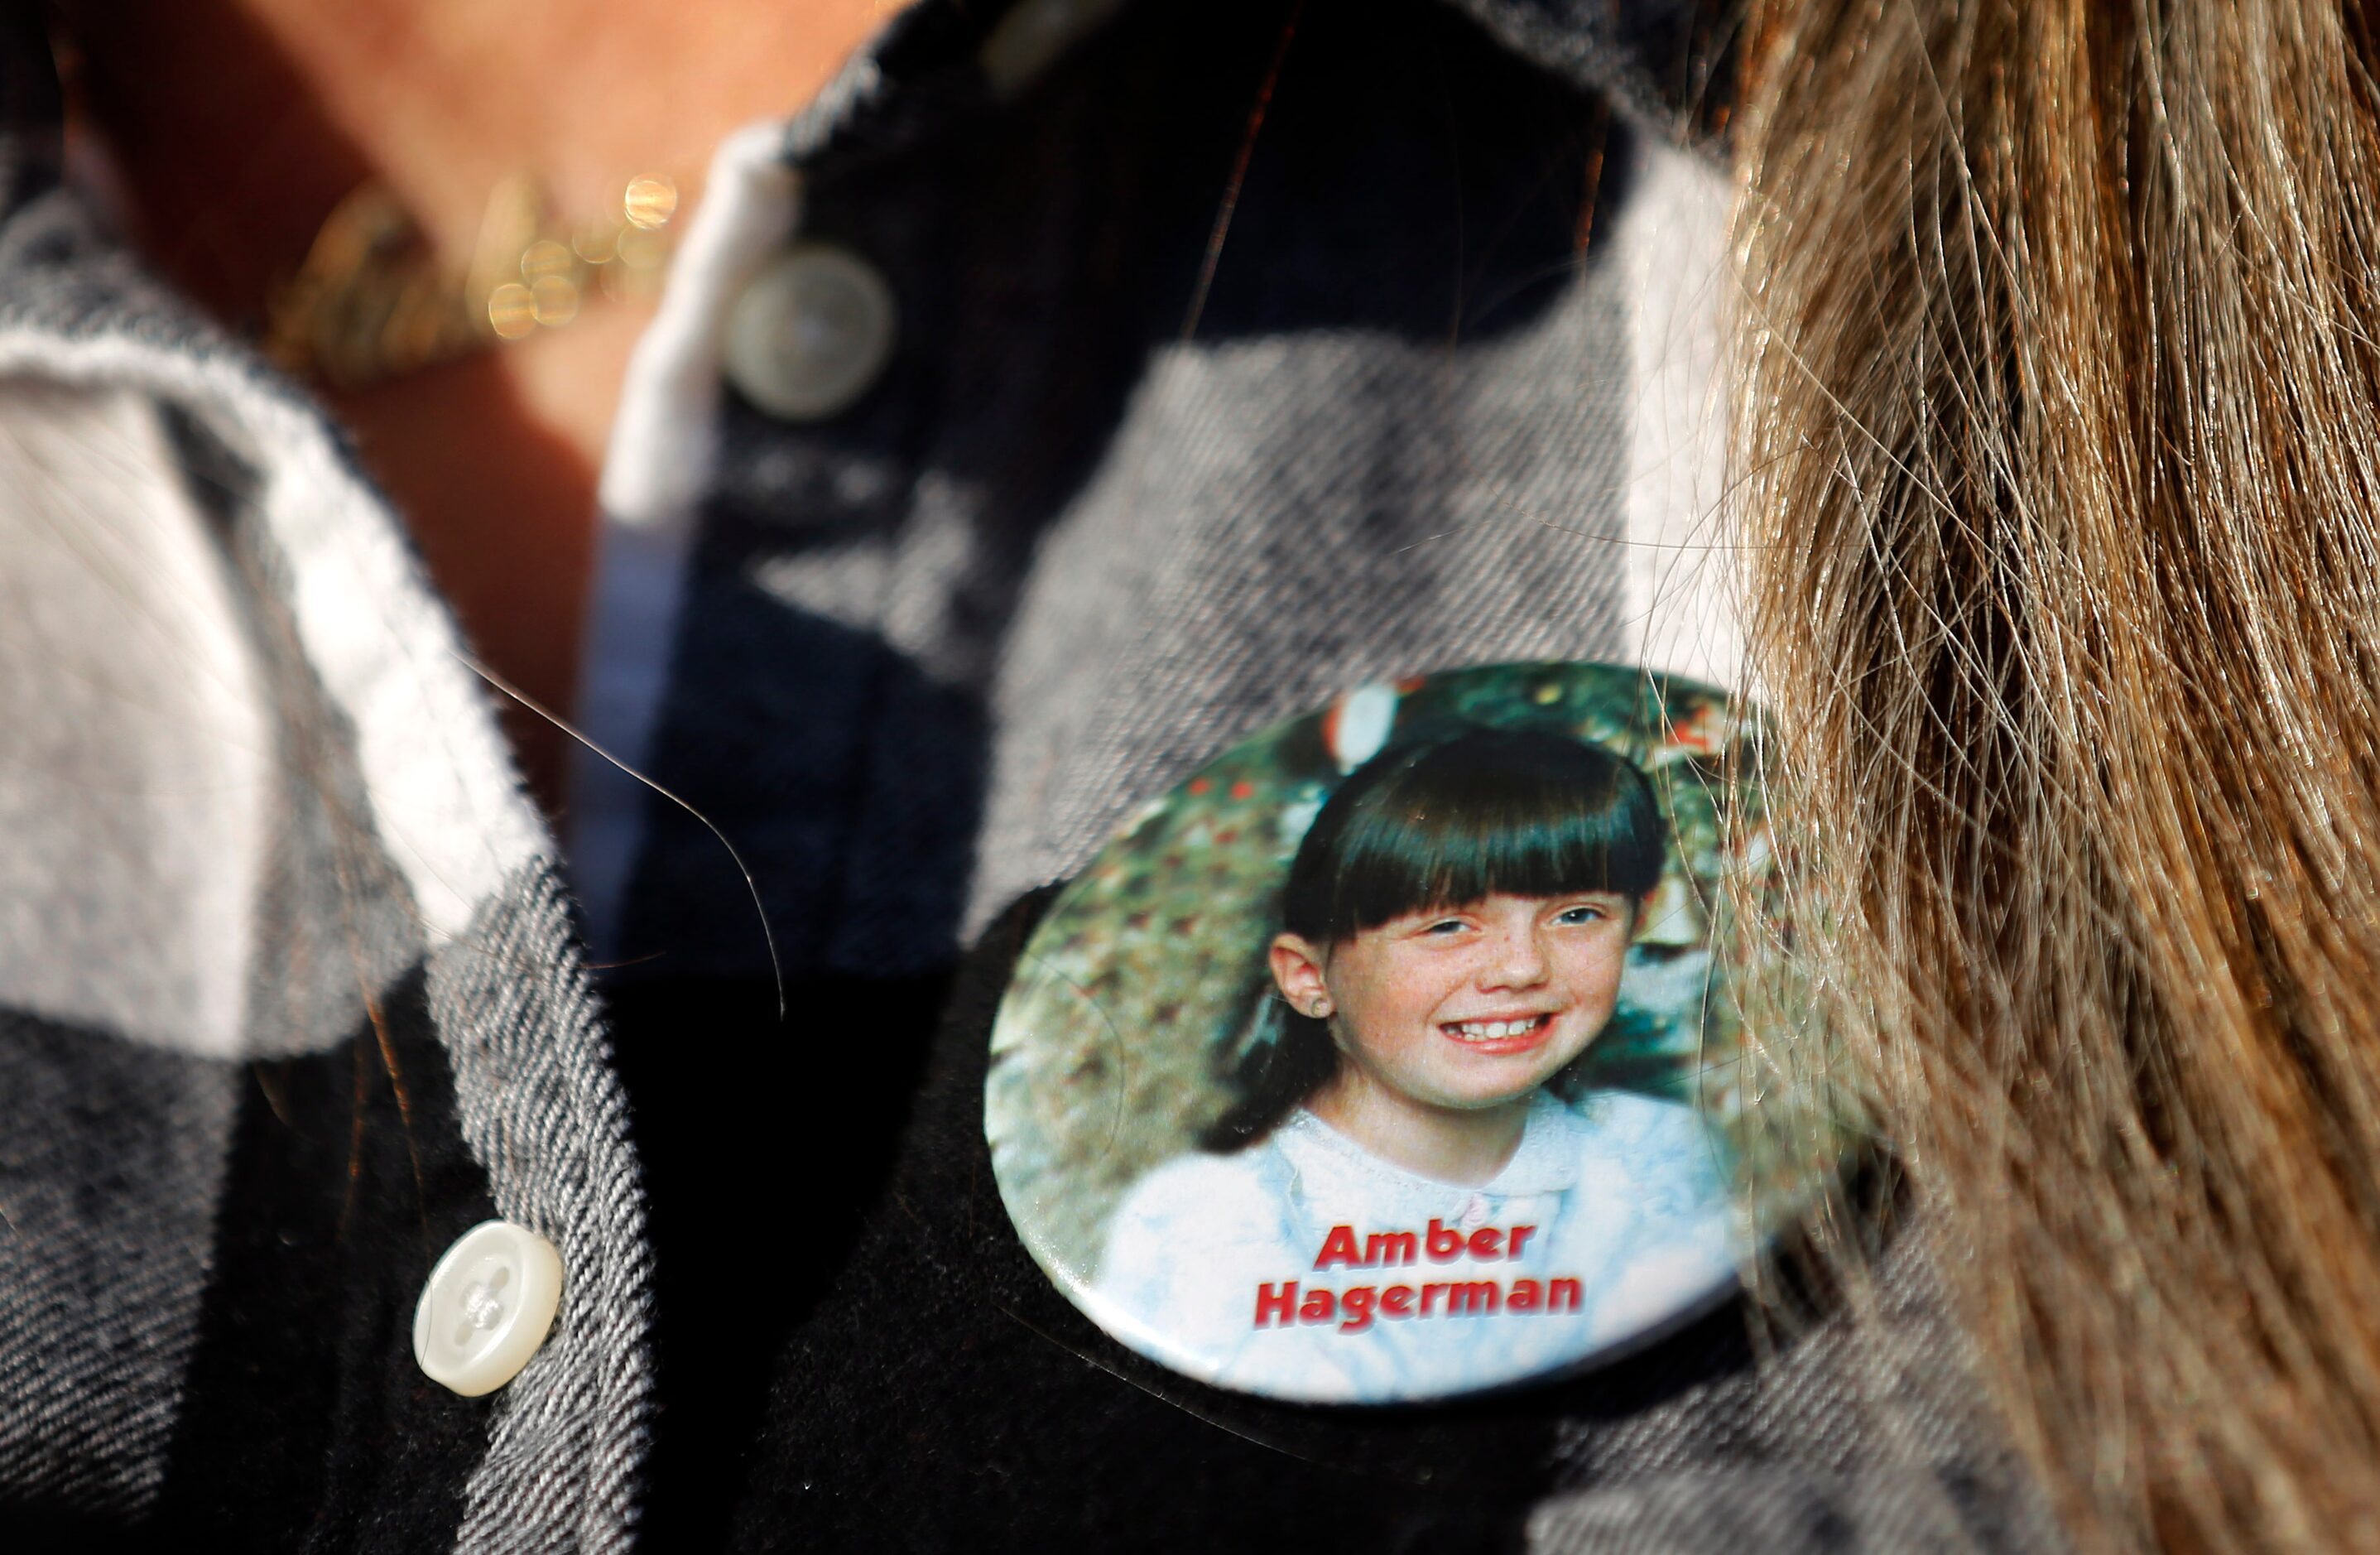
(2060, 459)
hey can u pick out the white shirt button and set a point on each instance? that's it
(1032, 35)
(810, 334)
(487, 1307)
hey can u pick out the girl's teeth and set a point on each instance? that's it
(1494, 1030)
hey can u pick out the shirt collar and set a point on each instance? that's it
(1668, 66)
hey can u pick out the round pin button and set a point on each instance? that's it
(810, 334)
(1373, 1064)
(486, 1307)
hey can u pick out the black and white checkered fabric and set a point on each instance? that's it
(288, 989)
(290, 985)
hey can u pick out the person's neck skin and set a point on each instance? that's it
(1466, 1146)
(234, 125)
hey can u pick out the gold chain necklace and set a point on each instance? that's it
(371, 302)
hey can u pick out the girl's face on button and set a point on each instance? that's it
(1480, 1004)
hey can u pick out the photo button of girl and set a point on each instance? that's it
(1395, 1054)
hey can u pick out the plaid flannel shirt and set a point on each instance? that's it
(291, 989)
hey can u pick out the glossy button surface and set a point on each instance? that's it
(486, 1307)
(810, 334)
(1247, 1143)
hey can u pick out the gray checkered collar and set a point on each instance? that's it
(1667, 65)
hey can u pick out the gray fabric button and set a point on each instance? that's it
(1032, 36)
(810, 334)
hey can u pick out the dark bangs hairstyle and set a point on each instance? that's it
(1438, 822)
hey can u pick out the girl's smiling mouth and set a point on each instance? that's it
(1508, 1034)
